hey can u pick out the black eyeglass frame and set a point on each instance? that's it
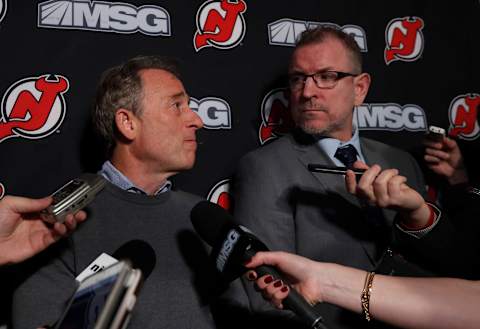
(340, 75)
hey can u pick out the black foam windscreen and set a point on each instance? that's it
(140, 254)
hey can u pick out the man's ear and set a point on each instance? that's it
(126, 123)
(362, 84)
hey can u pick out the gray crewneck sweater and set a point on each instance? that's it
(175, 294)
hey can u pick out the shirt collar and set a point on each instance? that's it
(114, 176)
(330, 145)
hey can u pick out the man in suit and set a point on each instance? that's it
(312, 214)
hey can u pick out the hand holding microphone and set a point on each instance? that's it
(234, 245)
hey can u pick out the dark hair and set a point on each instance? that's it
(121, 87)
(321, 33)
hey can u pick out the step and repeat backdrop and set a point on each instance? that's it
(423, 57)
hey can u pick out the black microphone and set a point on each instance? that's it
(139, 254)
(233, 245)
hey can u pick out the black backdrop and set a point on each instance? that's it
(234, 56)
(423, 56)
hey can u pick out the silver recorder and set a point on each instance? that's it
(72, 197)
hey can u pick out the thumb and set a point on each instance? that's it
(25, 205)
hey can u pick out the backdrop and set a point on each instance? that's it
(422, 55)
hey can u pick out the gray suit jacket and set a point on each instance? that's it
(312, 214)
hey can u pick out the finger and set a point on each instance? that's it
(380, 186)
(350, 182)
(272, 290)
(70, 222)
(264, 281)
(396, 186)
(279, 296)
(431, 159)
(267, 258)
(80, 216)
(438, 153)
(26, 205)
(364, 186)
(427, 142)
(59, 230)
(251, 275)
(450, 143)
(360, 165)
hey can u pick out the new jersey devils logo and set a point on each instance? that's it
(404, 39)
(33, 107)
(220, 24)
(463, 115)
(2, 191)
(276, 117)
(3, 9)
(220, 194)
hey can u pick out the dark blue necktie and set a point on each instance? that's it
(347, 154)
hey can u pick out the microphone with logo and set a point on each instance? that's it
(233, 245)
(138, 253)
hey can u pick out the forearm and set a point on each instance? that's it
(426, 303)
(406, 302)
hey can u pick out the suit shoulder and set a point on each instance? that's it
(269, 152)
(382, 147)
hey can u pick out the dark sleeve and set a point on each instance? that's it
(45, 285)
(452, 247)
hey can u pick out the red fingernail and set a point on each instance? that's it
(278, 283)
(251, 276)
(284, 289)
(268, 279)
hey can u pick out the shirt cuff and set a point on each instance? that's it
(421, 233)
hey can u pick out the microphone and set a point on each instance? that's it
(233, 245)
(138, 253)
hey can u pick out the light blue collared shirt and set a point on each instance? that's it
(114, 176)
(330, 146)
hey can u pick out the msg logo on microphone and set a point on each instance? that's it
(232, 238)
(33, 107)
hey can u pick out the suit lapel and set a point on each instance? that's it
(311, 153)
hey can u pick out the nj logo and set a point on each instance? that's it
(404, 39)
(463, 115)
(220, 24)
(33, 107)
(3, 9)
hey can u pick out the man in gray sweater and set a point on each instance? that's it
(142, 112)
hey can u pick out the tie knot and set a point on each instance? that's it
(347, 154)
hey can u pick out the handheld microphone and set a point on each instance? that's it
(233, 245)
(140, 254)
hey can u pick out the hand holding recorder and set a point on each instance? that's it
(443, 156)
(23, 233)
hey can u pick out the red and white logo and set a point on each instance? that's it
(220, 24)
(404, 39)
(463, 115)
(33, 107)
(276, 117)
(3, 9)
(2, 190)
(220, 194)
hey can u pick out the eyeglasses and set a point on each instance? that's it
(324, 79)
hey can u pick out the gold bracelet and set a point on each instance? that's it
(365, 298)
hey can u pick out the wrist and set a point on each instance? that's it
(419, 218)
(458, 177)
